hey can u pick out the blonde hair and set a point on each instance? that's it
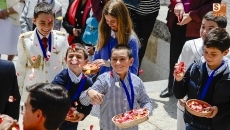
(118, 10)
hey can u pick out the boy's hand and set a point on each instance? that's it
(80, 117)
(182, 102)
(7, 122)
(179, 71)
(214, 110)
(95, 97)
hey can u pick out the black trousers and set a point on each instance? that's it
(178, 39)
(143, 26)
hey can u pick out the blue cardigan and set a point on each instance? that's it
(105, 53)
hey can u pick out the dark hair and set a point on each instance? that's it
(77, 47)
(123, 47)
(217, 38)
(221, 21)
(52, 100)
(43, 7)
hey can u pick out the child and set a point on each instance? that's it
(27, 15)
(117, 22)
(40, 52)
(216, 69)
(109, 93)
(75, 82)
(193, 51)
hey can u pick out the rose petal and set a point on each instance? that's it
(55, 67)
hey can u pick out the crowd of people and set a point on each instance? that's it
(48, 76)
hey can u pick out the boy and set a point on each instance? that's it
(42, 110)
(40, 52)
(109, 93)
(75, 82)
(26, 19)
(193, 51)
(216, 69)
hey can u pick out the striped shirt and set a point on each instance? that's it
(115, 100)
(146, 7)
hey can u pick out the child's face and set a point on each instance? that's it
(76, 60)
(44, 23)
(214, 56)
(206, 26)
(120, 61)
(111, 21)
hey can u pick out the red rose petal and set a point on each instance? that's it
(91, 127)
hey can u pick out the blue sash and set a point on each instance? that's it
(79, 90)
(205, 89)
(130, 100)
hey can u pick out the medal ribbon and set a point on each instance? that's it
(130, 100)
(79, 90)
(207, 84)
(41, 44)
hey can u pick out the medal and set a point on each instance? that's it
(47, 63)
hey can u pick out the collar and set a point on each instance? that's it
(73, 77)
(117, 77)
(48, 1)
(113, 34)
(221, 69)
(40, 35)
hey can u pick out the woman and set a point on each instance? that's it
(143, 14)
(75, 19)
(10, 11)
(115, 28)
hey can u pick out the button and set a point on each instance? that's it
(82, 12)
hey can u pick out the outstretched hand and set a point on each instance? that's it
(7, 122)
(95, 97)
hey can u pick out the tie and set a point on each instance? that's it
(44, 41)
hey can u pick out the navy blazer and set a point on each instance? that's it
(9, 87)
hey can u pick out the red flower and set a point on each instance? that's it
(91, 127)
(73, 46)
(49, 20)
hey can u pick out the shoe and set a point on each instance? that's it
(166, 93)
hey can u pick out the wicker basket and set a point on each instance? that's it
(200, 114)
(130, 123)
(92, 71)
(71, 119)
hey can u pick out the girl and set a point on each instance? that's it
(115, 28)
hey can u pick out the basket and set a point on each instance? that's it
(71, 119)
(92, 71)
(199, 114)
(130, 123)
